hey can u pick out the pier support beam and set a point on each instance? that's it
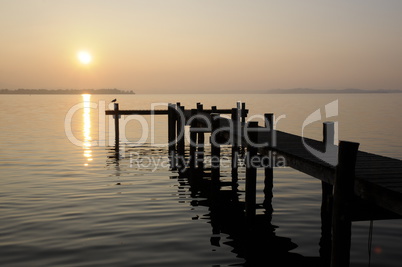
(343, 197)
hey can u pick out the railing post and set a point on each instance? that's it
(328, 133)
(343, 196)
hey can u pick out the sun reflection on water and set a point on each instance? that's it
(87, 128)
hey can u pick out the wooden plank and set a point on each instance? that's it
(163, 112)
(380, 163)
(368, 167)
(365, 211)
(384, 165)
(384, 180)
(379, 172)
(384, 197)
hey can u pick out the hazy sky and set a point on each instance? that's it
(201, 45)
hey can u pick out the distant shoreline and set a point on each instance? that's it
(65, 92)
(330, 91)
(126, 92)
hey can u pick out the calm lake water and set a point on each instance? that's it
(65, 202)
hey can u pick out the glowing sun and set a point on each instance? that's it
(84, 57)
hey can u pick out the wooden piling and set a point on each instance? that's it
(215, 148)
(200, 140)
(116, 126)
(268, 164)
(193, 141)
(172, 134)
(329, 133)
(343, 197)
(251, 170)
(243, 113)
(326, 201)
(235, 132)
(180, 137)
(326, 222)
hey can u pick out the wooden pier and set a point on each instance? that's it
(360, 186)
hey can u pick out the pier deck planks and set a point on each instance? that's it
(378, 179)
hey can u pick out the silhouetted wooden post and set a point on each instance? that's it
(243, 113)
(193, 140)
(215, 147)
(328, 133)
(343, 197)
(180, 137)
(201, 139)
(268, 166)
(330, 150)
(326, 222)
(326, 201)
(251, 169)
(235, 132)
(172, 134)
(116, 126)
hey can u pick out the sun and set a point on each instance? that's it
(84, 57)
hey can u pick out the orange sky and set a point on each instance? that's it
(201, 46)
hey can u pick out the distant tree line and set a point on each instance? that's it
(65, 91)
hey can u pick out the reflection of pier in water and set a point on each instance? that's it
(254, 241)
